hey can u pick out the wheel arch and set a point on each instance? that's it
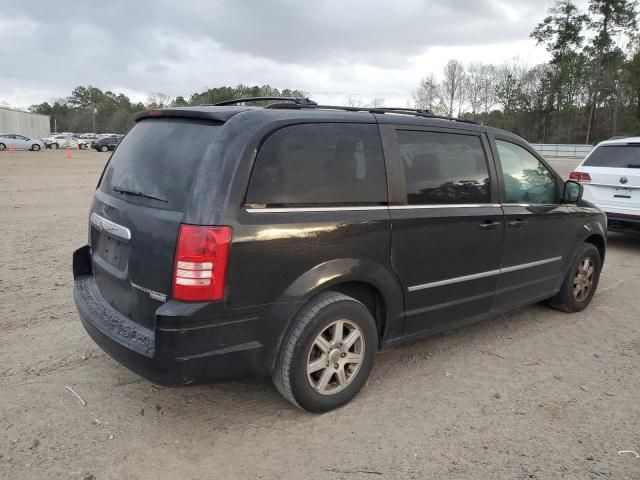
(597, 241)
(369, 282)
(595, 233)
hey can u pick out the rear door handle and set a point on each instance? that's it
(518, 223)
(489, 225)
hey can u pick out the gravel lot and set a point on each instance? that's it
(532, 394)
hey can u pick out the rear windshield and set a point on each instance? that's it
(615, 156)
(156, 162)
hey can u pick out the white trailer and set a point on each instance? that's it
(32, 125)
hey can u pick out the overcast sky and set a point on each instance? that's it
(329, 48)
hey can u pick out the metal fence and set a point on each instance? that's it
(562, 149)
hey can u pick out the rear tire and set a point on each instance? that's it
(2, 146)
(581, 282)
(35, 147)
(326, 356)
(54, 146)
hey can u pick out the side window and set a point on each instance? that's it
(526, 179)
(320, 164)
(444, 168)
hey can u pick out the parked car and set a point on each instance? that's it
(64, 141)
(107, 143)
(19, 142)
(295, 242)
(610, 175)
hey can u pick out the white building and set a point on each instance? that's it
(32, 125)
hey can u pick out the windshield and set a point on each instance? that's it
(615, 156)
(155, 163)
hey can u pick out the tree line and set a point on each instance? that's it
(89, 109)
(588, 91)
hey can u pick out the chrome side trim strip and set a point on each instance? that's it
(452, 205)
(529, 265)
(449, 281)
(529, 204)
(315, 209)
(110, 227)
(366, 208)
(489, 273)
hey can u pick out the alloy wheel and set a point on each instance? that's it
(335, 357)
(583, 280)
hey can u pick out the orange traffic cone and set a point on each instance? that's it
(11, 148)
(68, 155)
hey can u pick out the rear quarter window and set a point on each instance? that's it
(157, 160)
(614, 156)
(319, 164)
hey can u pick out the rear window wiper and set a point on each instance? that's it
(139, 194)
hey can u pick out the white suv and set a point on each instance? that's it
(611, 178)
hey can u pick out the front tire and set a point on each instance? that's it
(54, 146)
(581, 282)
(2, 146)
(35, 147)
(326, 357)
(104, 148)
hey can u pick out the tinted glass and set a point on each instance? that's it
(615, 156)
(159, 158)
(320, 164)
(526, 179)
(444, 168)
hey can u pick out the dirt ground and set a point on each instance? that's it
(532, 394)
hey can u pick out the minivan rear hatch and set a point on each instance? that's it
(138, 208)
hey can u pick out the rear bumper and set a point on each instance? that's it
(623, 221)
(191, 343)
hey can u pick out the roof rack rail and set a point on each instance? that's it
(417, 112)
(292, 100)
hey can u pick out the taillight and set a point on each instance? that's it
(582, 177)
(199, 273)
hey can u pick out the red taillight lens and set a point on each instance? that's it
(199, 273)
(582, 177)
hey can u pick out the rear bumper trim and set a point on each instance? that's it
(111, 323)
(622, 216)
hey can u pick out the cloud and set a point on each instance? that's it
(361, 46)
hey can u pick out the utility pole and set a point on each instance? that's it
(93, 117)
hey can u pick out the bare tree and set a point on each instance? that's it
(158, 100)
(427, 95)
(452, 86)
(353, 102)
(488, 92)
(473, 87)
(376, 102)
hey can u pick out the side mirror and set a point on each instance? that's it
(572, 192)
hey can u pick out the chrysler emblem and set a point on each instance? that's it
(623, 180)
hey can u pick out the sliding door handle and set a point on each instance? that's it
(518, 223)
(489, 225)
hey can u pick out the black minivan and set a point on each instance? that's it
(296, 239)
